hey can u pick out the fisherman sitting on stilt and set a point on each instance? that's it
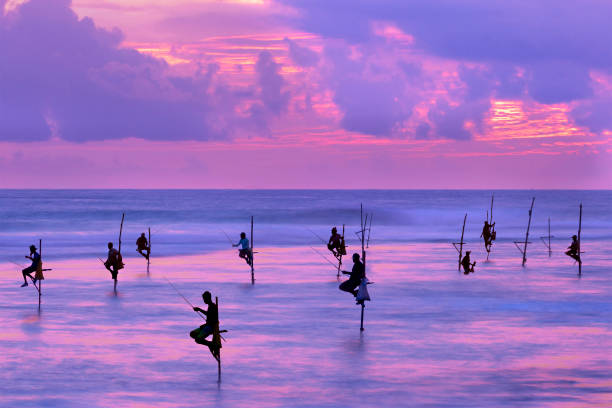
(212, 323)
(465, 262)
(335, 243)
(114, 261)
(35, 257)
(573, 249)
(245, 250)
(355, 277)
(143, 245)
(487, 235)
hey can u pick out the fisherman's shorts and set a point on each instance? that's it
(29, 270)
(201, 332)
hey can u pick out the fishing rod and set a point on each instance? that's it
(317, 235)
(15, 263)
(228, 237)
(184, 298)
(324, 257)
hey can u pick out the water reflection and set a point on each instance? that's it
(506, 336)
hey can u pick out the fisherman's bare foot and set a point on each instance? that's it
(24, 284)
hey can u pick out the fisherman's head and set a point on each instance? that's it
(486, 222)
(207, 297)
(110, 245)
(574, 237)
(242, 235)
(334, 230)
(355, 257)
(142, 235)
(32, 249)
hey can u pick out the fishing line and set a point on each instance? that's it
(184, 298)
(324, 257)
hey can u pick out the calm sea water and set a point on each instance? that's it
(505, 336)
(76, 224)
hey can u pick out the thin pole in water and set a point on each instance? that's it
(363, 256)
(579, 232)
(121, 231)
(527, 233)
(149, 252)
(490, 223)
(362, 309)
(549, 245)
(40, 266)
(252, 255)
(460, 243)
(343, 246)
(524, 249)
(218, 341)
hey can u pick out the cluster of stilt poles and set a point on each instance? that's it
(520, 245)
(364, 244)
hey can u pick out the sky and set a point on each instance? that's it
(305, 94)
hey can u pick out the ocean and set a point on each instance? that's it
(506, 335)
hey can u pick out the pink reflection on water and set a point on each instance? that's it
(503, 336)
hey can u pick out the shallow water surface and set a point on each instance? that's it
(538, 336)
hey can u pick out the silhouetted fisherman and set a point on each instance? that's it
(245, 250)
(335, 242)
(355, 276)
(35, 257)
(465, 262)
(143, 245)
(487, 235)
(114, 262)
(212, 322)
(573, 250)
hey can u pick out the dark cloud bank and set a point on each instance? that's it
(63, 74)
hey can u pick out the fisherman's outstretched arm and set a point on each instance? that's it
(197, 309)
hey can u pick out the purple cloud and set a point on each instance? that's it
(302, 56)
(64, 76)
(271, 83)
(554, 43)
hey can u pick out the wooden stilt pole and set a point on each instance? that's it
(549, 245)
(524, 249)
(119, 250)
(340, 254)
(369, 231)
(460, 243)
(579, 232)
(40, 281)
(364, 223)
(149, 253)
(252, 255)
(362, 309)
(218, 341)
(491, 228)
(527, 233)
(120, 232)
